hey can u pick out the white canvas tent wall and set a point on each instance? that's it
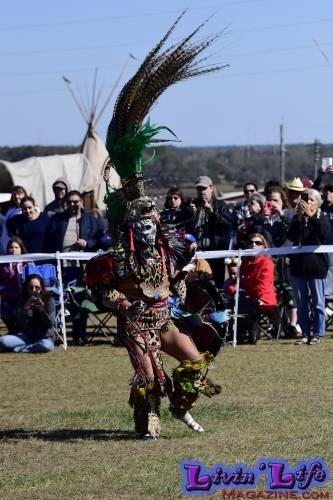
(37, 174)
(94, 149)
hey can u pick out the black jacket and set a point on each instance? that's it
(213, 230)
(313, 232)
(37, 324)
(181, 218)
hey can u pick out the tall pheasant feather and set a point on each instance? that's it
(127, 135)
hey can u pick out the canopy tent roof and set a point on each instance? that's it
(38, 173)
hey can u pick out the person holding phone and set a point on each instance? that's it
(213, 223)
(310, 226)
(277, 224)
(254, 223)
(35, 319)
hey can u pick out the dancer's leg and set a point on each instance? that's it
(145, 391)
(188, 379)
(178, 345)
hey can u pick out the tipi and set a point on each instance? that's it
(93, 147)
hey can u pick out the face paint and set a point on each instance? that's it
(144, 232)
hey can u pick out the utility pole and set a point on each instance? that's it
(282, 156)
(316, 156)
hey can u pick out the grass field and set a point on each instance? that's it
(66, 427)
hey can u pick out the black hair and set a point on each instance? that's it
(44, 295)
(173, 191)
(28, 198)
(270, 184)
(74, 192)
(249, 183)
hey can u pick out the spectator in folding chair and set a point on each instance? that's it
(10, 284)
(74, 230)
(35, 319)
(257, 291)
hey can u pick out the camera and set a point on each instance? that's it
(200, 202)
(305, 196)
(268, 207)
(34, 297)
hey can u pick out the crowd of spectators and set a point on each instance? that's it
(65, 226)
(289, 288)
(294, 214)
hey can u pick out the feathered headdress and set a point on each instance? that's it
(127, 135)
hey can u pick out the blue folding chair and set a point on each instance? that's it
(45, 271)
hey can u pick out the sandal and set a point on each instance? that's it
(302, 341)
(314, 340)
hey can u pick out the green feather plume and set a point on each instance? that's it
(126, 150)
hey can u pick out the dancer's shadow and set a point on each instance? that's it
(69, 435)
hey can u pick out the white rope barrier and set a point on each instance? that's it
(211, 254)
(217, 254)
(58, 257)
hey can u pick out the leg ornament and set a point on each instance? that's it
(188, 382)
(146, 404)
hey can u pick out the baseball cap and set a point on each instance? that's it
(59, 184)
(203, 181)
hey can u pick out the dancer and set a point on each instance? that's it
(134, 279)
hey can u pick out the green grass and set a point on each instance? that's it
(67, 433)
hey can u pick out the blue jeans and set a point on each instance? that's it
(310, 295)
(20, 343)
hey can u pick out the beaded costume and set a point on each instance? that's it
(134, 280)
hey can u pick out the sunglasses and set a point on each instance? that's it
(256, 242)
(249, 190)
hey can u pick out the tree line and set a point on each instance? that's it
(227, 165)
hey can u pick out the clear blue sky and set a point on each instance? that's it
(276, 74)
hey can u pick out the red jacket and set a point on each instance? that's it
(257, 280)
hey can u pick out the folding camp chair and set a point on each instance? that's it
(45, 271)
(99, 321)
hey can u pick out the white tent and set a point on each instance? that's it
(95, 151)
(38, 173)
